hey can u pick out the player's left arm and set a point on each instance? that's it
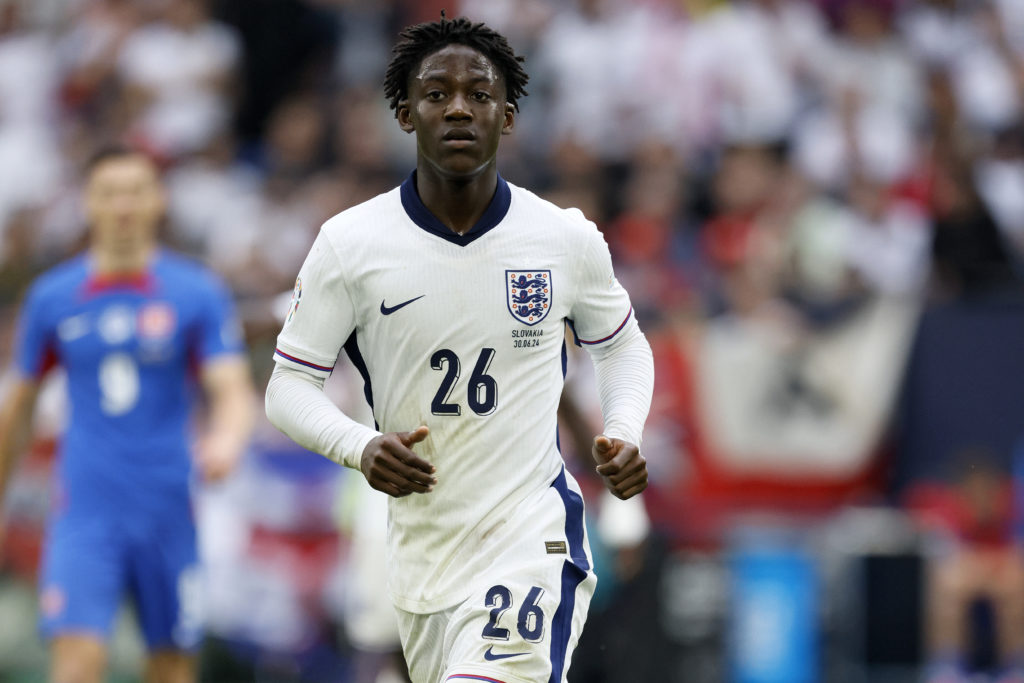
(605, 325)
(33, 354)
(226, 382)
(15, 431)
(229, 391)
(15, 425)
(625, 383)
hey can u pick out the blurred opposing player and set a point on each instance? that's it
(452, 293)
(130, 323)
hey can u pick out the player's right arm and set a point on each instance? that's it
(297, 405)
(320, 319)
(32, 357)
(15, 425)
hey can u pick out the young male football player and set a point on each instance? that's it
(130, 323)
(451, 294)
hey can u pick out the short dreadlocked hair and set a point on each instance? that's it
(418, 41)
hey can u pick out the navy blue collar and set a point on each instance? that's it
(421, 216)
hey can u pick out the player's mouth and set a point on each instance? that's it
(459, 137)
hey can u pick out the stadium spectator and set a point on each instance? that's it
(969, 254)
(178, 72)
(29, 140)
(978, 561)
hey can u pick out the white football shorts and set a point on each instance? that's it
(524, 612)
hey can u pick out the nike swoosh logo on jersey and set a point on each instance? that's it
(74, 327)
(491, 657)
(388, 310)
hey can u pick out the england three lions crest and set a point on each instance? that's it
(528, 293)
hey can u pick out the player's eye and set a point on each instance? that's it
(434, 95)
(481, 96)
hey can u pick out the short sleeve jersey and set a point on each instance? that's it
(131, 349)
(462, 333)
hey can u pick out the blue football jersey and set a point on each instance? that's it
(131, 349)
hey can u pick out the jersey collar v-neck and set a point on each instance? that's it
(142, 281)
(421, 215)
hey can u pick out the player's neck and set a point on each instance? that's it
(113, 263)
(457, 202)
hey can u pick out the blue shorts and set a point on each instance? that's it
(90, 563)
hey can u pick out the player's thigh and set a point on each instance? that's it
(164, 582)
(521, 627)
(82, 578)
(170, 666)
(77, 658)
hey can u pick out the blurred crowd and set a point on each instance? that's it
(793, 191)
(766, 157)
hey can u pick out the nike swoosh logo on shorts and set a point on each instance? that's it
(388, 310)
(491, 657)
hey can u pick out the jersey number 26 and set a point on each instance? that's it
(483, 389)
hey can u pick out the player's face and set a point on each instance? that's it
(457, 108)
(124, 202)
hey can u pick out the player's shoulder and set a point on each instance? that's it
(540, 212)
(365, 219)
(183, 272)
(61, 279)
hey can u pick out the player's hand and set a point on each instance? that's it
(389, 464)
(216, 457)
(621, 466)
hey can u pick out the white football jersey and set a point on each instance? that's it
(464, 334)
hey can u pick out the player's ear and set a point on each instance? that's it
(404, 116)
(510, 119)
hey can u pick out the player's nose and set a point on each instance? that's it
(458, 107)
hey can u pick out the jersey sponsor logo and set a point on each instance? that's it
(388, 310)
(528, 293)
(293, 306)
(491, 656)
(157, 320)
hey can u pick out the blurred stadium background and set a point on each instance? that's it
(817, 206)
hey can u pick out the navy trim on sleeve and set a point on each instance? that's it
(293, 359)
(617, 330)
